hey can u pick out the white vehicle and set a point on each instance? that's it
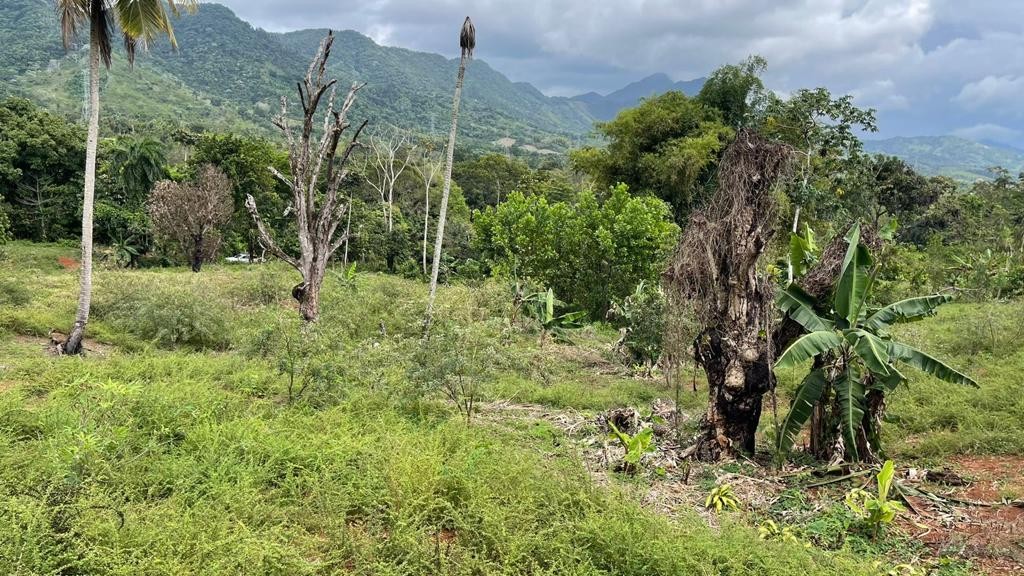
(243, 258)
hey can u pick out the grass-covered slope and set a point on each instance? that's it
(171, 449)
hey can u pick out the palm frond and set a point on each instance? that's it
(144, 20)
(925, 363)
(850, 399)
(72, 14)
(799, 306)
(872, 350)
(854, 279)
(100, 28)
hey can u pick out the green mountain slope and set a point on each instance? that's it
(229, 74)
(958, 158)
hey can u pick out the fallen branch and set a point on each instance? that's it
(840, 479)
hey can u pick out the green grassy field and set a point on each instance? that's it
(172, 447)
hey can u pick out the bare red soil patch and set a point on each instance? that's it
(982, 520)
(68, 263)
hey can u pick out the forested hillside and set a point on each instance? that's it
(233, 75)
(959, 158)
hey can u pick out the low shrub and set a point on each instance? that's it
(164, 314)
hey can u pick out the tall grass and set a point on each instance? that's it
(177, 452)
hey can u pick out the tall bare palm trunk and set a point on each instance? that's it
(426, 226)
(74, 341)
(467, 41)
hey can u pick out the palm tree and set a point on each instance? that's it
(137, 164)
(141, 22)
(467, 41)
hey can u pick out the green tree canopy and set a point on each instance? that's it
(590, 252)
(666, 147)
(41, 159)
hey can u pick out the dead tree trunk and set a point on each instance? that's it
(715, 274)
(197, 253)
(317, 172)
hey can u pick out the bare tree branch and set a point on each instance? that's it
(316, 175)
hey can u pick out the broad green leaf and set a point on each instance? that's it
(802, 250)
(885, 479)
(925, 363)
(807, 395)
(853, 280)
(906, 311)
(809, 346)
(550, 304)
(850, 398)
(799, 306)
(872, 350)
(894, 378)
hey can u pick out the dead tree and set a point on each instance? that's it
(390, 154)
(427, 169)
(715, 274)
(317, 172)
(191, 213)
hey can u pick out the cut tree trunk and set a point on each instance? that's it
(736, 390)
(467, 42)
(197, 253)
(715, 274)
(77, 333)
(308, 296)
(443, 209)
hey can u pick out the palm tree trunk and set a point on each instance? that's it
(74, 341)
(443, 212)
(426, 225)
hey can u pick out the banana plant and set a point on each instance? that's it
(542, 306)
(858, 354)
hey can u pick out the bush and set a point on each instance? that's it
(167, 315)
(591, 253)
(641, 316)
(263, 288)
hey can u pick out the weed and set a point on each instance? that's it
(722, 498)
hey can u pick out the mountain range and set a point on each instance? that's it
(959, 158)
(606, 107)
(229, 75)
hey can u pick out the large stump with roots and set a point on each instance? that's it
(715, 275)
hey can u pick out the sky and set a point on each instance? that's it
(928, 67)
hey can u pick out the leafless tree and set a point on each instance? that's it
(427, 169)
(191, 213)
(317, 171)
(390, 153)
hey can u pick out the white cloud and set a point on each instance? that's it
(993, 132)
(880, 95)
(992, 91)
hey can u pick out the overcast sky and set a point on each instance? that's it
(927, 66)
